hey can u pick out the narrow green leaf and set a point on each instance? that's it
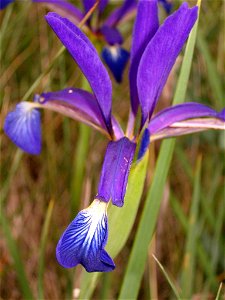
(121, 221)
(218, 295)
(172, 285)
(203, 257)
(138, 256)
(79, 167)
(187, 277)
(44, 238)
(213, 76)
(18, 264)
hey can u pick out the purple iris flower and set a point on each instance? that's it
(153, 53)
(113, 54)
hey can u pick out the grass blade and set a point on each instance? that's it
(138, 256)
(219, 292)
(44, 238)
(18, 264)
(80, 157)
(203, 258)
(173, 287)
(213, 76)
(187, 277)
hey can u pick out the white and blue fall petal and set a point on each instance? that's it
(23, 127)
(84, 240)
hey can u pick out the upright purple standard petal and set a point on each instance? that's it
(160, 56)
(64, 8)
(88, 60)
(116, 59)
(145, 27)
(23, 127)
(84, 240)
(180, 112)
(115, 171)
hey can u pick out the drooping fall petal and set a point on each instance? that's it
(84, 240)
(23, 127)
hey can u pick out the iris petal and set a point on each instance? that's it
(114, 176)
(84, 240)
(116, 59)
(111, 35)
(23, 127)
(88, 60)
(179, 113)
(146, 25)
(76, 103)
(160, 56)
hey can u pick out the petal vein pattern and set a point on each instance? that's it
(84, 240)
(23, 127)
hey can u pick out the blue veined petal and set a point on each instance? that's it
(116, 59)
(84, 240)
(23, 127)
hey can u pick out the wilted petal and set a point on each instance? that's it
(115, 171)
(120, 13)
(75, 103)
(88, 60)
(189, 126)
(23, 127)
(111, 35)
(84, 240)
(4, 3)
(145, 27)
(160, 56)
(63, 8)
(178, 113)
(116, 59)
